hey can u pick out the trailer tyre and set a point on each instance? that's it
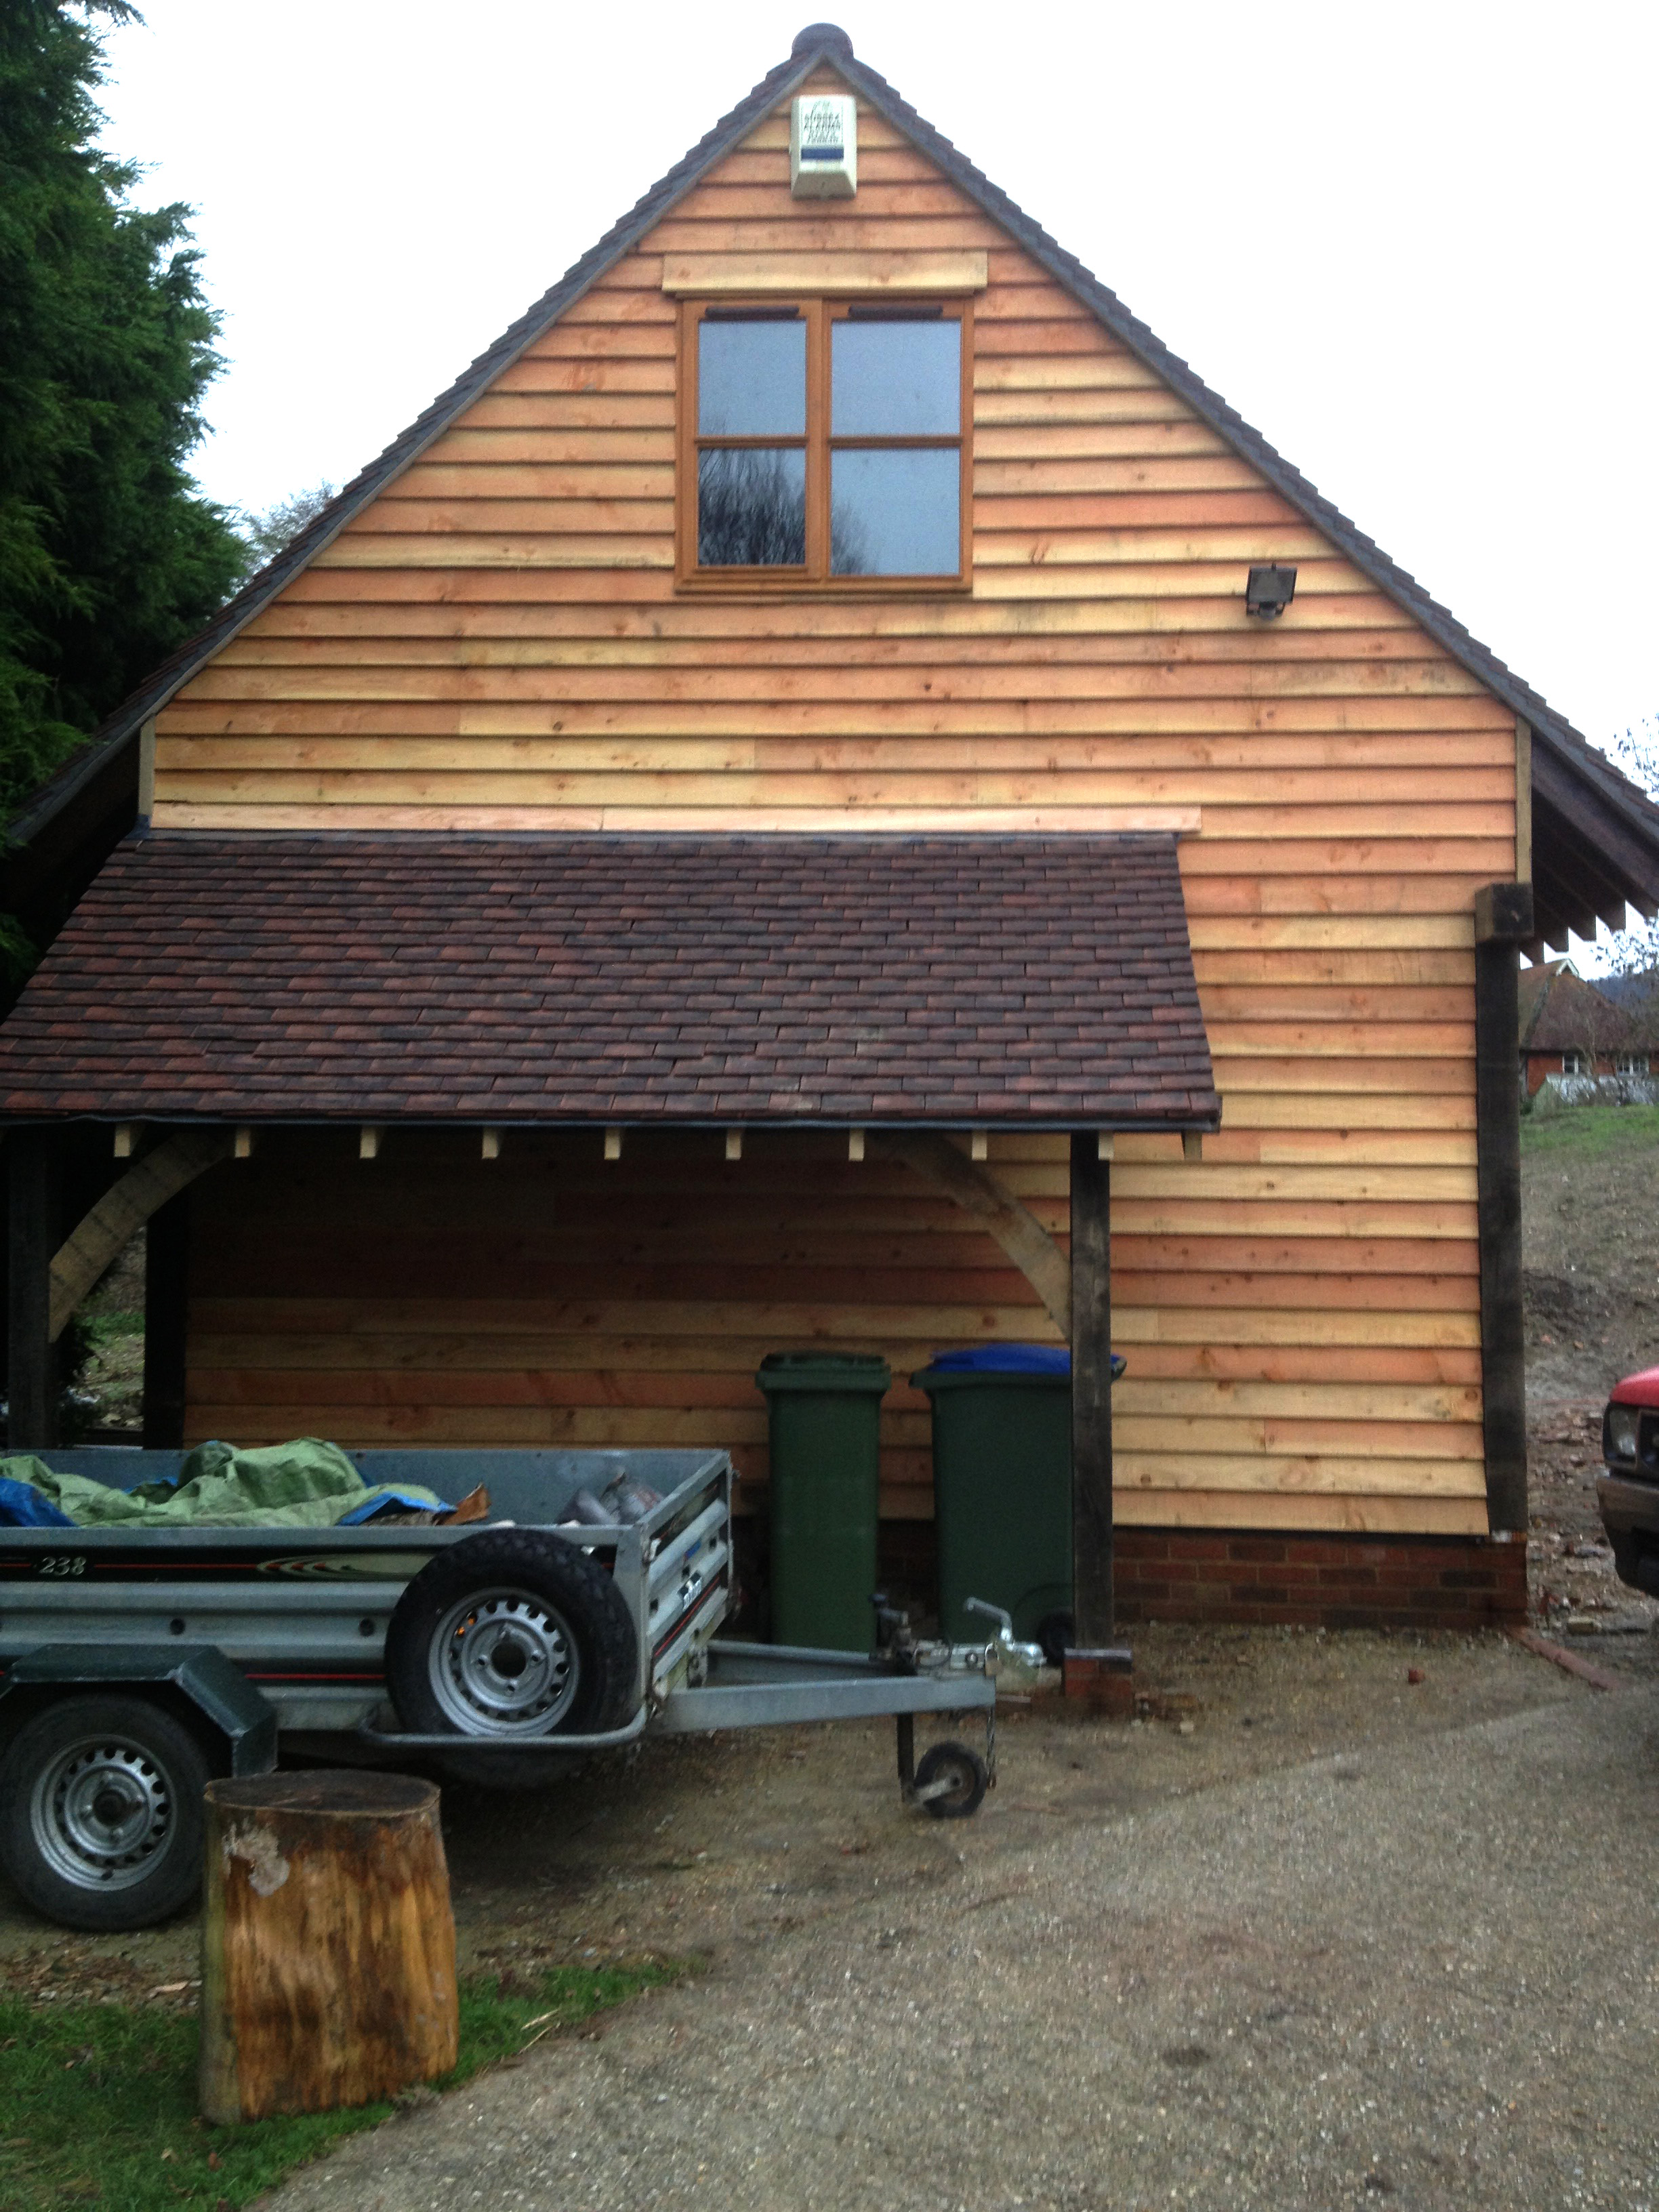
(100, 1812)
(964, 1776)
(510, 1635)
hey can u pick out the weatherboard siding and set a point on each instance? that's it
(497, 640)
(547, 1297)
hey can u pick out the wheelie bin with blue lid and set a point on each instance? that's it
(1002, 1487)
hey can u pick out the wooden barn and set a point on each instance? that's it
(830, 793)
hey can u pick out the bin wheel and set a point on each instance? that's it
(1056, 1632)
(100, 1812)
(962, 1776)
(512, 1634)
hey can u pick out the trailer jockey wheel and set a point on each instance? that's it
(1056, 1633)
(509, 1635)
(950, 1781)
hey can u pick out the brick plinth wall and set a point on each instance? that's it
(1328, 1581)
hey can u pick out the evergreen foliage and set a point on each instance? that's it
(109, 559)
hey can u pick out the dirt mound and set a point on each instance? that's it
(1590, 1187)
(1590, 1193)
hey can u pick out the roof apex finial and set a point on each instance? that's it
(829, 37)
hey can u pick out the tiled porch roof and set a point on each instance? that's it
(949, 980)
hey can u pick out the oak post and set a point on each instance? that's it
(1503, 918)
(167, 1253)
(328, 1943)
(1093, 1611)
(31, 1362)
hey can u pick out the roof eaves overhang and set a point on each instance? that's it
(1109, 1123)
(1595, 850)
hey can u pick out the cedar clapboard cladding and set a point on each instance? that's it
(496, 642)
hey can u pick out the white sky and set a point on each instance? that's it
(1414, 245)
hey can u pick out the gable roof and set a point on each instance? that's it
(1560, 1010)
(1533, 987)
(1598, 835)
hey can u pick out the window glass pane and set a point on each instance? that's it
(895, 513)
(751, 507)
(752, 379)
(896, 379)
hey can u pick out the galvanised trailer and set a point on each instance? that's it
(140, 1662)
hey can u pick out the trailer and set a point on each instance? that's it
(139, 1662)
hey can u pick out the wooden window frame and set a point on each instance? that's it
(820, 312)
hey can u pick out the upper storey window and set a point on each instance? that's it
(823, 444)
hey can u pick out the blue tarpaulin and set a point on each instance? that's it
(23, 1506)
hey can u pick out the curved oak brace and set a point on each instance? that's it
(1020, 1234)
(104, 1233)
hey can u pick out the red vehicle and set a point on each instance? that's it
(1629, 1491)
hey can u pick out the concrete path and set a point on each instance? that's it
(1422, 1973)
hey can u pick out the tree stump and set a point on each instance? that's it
(328, 1944)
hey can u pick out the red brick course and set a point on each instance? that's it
(1102, 1684)
(1330, 1581)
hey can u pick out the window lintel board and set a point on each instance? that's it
(754, 275)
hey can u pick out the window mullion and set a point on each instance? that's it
(818, 441)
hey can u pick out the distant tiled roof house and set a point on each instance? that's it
(830, 794)
(1569, 1027)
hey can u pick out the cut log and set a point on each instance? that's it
(328, 1943)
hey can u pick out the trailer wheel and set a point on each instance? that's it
(512, 1634)
(100, 1812)
(960, 1776)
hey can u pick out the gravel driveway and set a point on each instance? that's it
(1347, 1941)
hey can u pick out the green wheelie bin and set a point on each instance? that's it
(1002, 1487)
(824, 1416)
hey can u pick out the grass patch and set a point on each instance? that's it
(102, 1329)
(98, 2102)
(1590, 1132)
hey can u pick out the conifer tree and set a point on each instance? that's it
(109, 556)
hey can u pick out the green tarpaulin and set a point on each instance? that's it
(307, 1484)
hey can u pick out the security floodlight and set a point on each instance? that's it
(1269, 592)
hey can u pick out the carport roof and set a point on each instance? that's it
(1029, 981)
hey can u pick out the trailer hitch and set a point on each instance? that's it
(950, 1780)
